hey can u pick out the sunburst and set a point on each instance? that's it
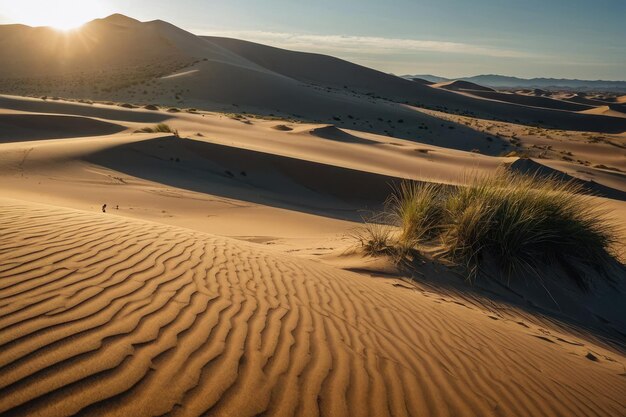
(59, 14)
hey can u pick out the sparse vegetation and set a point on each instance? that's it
(375, 238)
(160, 128)
(283, 128)
(517, 223)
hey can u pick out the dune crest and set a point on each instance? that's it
(458, 85)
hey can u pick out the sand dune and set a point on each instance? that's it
(540, 92)
(105, 313)
(583, 99)
(333, 133)
(100, 44)
(422, 81)
(605, 110)
(532, 101)
(215, 73)
(458, 85)
(32, 105)
(37, 127)
(534, 167)
(224, 277)
(338, 74)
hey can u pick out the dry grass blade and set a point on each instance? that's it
(519, 222)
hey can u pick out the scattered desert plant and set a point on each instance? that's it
(283, 128)
(519, 223)
(374, 237)
(160, 128)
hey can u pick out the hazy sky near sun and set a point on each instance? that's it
(526, 38)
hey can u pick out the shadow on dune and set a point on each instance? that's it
(532, 167)
(345, 194)
(25, 127)
(58, 107)
(531, 101)
(321, 70)
(251, 176)
(338, 135)
(552, 298)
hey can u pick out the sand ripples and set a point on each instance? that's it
(101, 315)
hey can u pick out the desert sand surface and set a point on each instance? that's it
(222, 264)
(461, 86)
(211, 267)
(105, 313)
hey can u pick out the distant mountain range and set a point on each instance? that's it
(501, 81)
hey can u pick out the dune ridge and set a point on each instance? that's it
(110, 316)
(28, 126)
(458, 85)
(214, 73)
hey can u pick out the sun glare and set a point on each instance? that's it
(59, 14)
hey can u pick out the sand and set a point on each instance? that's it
(457, 85)
(145, 310)
(106, 315)
(224, 278)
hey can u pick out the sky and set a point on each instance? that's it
(451, 38)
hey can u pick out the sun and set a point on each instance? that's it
(59, 14)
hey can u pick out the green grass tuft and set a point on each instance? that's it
(160, 128)
(416, 208)
(518, 222)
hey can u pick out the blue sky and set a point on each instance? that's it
(532, 38)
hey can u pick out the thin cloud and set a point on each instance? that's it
(368, 44)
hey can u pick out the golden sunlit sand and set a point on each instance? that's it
(178, 237)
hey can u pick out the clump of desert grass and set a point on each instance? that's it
(375, 238)
(519, 223)
(160, 128)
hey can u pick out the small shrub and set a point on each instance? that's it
(160, 128)
(523, 222)
(519, 223)
(283, 128)
(374, 238)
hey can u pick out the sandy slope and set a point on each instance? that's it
(247, 163)
(43, 126)
(193, 294)
(105, 315)
(605, 110)
(169, 66)
(144, 310)
(531, 101)
(457, 85)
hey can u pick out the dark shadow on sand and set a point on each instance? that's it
(27, 127)
(251, 176)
